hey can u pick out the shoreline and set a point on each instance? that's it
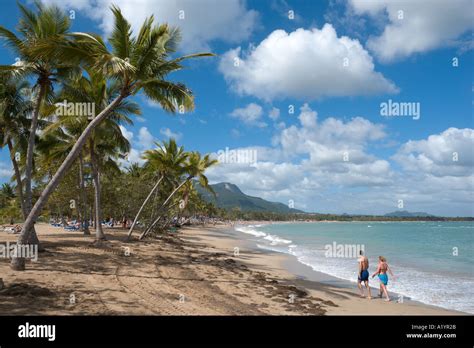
(301, 270)
(194, 271)
(318, 283)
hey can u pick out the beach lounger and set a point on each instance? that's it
(71, 228)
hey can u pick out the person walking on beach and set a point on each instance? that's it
(363, 274)
(381, 271)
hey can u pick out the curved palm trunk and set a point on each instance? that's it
(143, 206)
(143, 235)
(18, 263)
(167, 223)
(99, 232)
(85, 223)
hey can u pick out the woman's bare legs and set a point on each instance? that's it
(368, 289)
(385, 292)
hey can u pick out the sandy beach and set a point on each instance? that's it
(195, 271)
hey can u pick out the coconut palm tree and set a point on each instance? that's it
(107, 140)
(164, 162)
(195, 167)
(47, 24)
(106, 146)
(15, 105)
(138, 64)
(7, 190)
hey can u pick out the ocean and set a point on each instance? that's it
(433, 262)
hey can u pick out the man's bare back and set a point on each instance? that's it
(364, 262)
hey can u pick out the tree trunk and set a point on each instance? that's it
(143, 235)
(19, 263)
(19, 184)
(92, 216)
(99, 232)
(31, 147)
(85, 222)
(142, 207)
(19, 187)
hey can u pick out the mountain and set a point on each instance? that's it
(229, 196)
(404, 213)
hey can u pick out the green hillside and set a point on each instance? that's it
(229, 196)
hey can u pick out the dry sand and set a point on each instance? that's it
(192, 272)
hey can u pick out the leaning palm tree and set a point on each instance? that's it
(194, 168)
(47, 24)
(165, 161)
(138, 64)
(106, 140)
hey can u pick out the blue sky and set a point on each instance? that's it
(334, 62)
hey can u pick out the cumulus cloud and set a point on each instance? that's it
(144, 141)
(126, 133)
(145, 138)
(416, 26)
(325, 165)
(274, 114)
(305, 65)
(202, 22)
(329, 139)
(134, 156)
(450, 153)
(5, 170)
(251, 115)
(310, 158)
(168, 133)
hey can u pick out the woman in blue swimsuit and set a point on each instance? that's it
(381, 271)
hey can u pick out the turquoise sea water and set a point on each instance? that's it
(422, 255)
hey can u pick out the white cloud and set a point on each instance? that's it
(274, 114)
(168, 133)
(304, 64)
(308, 159)
(420, 27)
(145, 138)
(307, 165)
(126, 133)
(5, 170)
(250, 115)
(134, 156)
(450, 153)
(329, 139)
(204, 21)
(144, 141)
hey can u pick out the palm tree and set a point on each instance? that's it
(14, 107)
(194, 168)
(13, 121)
(106, 145)
(165, 161)
(7, 190)
(106, 141)
(49, 24)
(139, 64)
(57, 140)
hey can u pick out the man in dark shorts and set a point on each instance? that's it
(363, 274)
